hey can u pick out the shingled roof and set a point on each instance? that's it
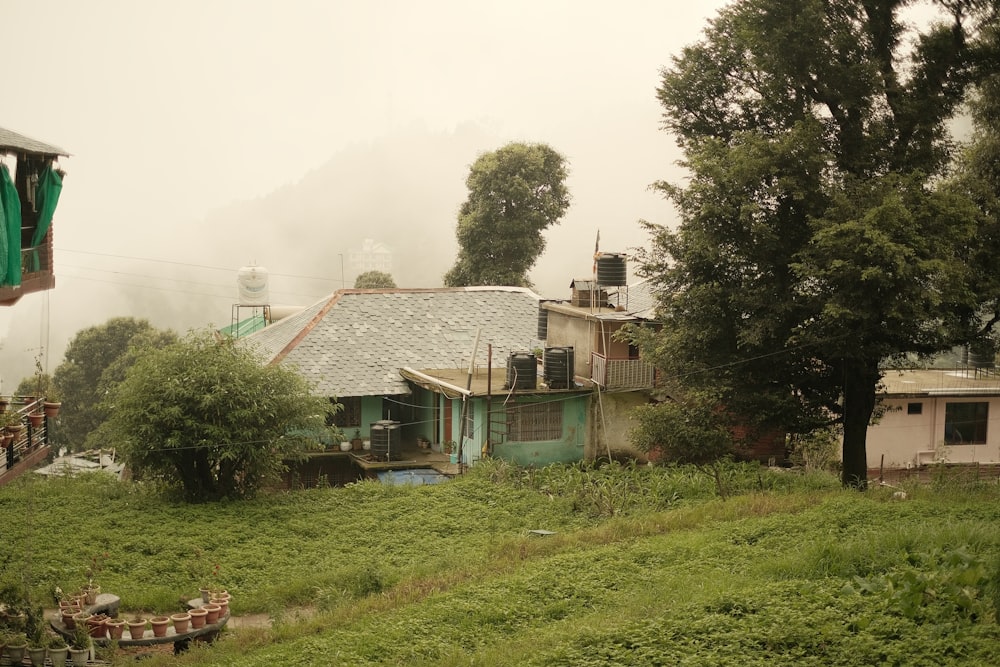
(355, 342)
(12, 141)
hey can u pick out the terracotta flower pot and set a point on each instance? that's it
(67, 617)
(51, 408)
(137, 628)
(198, 617)
(181, 622)
(116, 627)
(212, 613)
(36, 419)
(160, 624)
(223, 604)
(96, 626)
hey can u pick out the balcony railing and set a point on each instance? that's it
(621, 373)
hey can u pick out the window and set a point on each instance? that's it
(470, 424)
(350, 416)
(965, 423)
(914, 408)
(533, 422)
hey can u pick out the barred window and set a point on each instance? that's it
(532, 422)
(350, 416)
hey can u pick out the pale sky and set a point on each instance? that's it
(174, 109)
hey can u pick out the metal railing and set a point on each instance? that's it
(621, 373)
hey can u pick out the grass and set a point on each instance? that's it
(645, 566)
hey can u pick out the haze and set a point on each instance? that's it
(209, 135)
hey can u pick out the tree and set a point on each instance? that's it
(374, 280)
(820, 238)
(515, 193)
(208, 415)
(78, 376)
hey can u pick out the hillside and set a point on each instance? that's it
(643, 566)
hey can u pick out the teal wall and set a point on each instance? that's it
(568, 449)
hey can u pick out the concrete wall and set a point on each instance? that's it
(613, 411)
(575, 332)
(917, 439)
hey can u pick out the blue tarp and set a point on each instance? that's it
(416, 477)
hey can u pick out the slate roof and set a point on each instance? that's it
(10, 140)
(639, 299)
(354, 342)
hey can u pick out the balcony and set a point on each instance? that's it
(36, 272)
(621, 373)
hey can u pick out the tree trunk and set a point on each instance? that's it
(861, 378)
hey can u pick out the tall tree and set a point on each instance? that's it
(78, 376)
(515, 193)
(206, 414)
(818, 239)
(374, 280)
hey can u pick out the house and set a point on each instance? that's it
(402, 356)
(589, 323)
(30, 184)
(936, 415)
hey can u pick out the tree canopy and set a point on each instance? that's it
(374, 280)
(78, 377)
(820, 235)
(206, 414)
(515, 193)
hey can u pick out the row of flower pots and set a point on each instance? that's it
(101, 626)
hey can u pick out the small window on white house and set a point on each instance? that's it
(535, 422)
(965, 423)
(914, 408)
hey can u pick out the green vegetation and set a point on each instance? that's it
(515, 193)
(208, 415)
(646, 566)
(374, 280)
(822, 233)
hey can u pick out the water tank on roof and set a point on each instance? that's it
(252, 288)
(543, 322)
(612, 269)
(522, 371)
(558, 367)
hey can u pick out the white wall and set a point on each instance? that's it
(919, 438)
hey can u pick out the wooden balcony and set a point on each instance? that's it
(36, 272)
(621, 373)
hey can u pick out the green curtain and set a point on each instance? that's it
(10, 206)
(46, 198)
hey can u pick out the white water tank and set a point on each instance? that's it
(251, 283)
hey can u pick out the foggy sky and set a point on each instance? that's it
(187, 120)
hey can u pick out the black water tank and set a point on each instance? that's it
(522, 370)
(611, 269)
(558, 367)
(543, 323)
(386, 440)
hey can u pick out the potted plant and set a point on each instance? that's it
(90, 589)
(52, 402)
(79, 649)
(58, 650)
(356, 441)
(137, 626)
(17, 644)
(34, 630)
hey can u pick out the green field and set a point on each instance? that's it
(644, 566)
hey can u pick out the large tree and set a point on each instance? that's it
(515, 193)
(205, 413)
(819, 237)
(78, 376)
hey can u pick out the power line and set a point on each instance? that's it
(198, 266)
